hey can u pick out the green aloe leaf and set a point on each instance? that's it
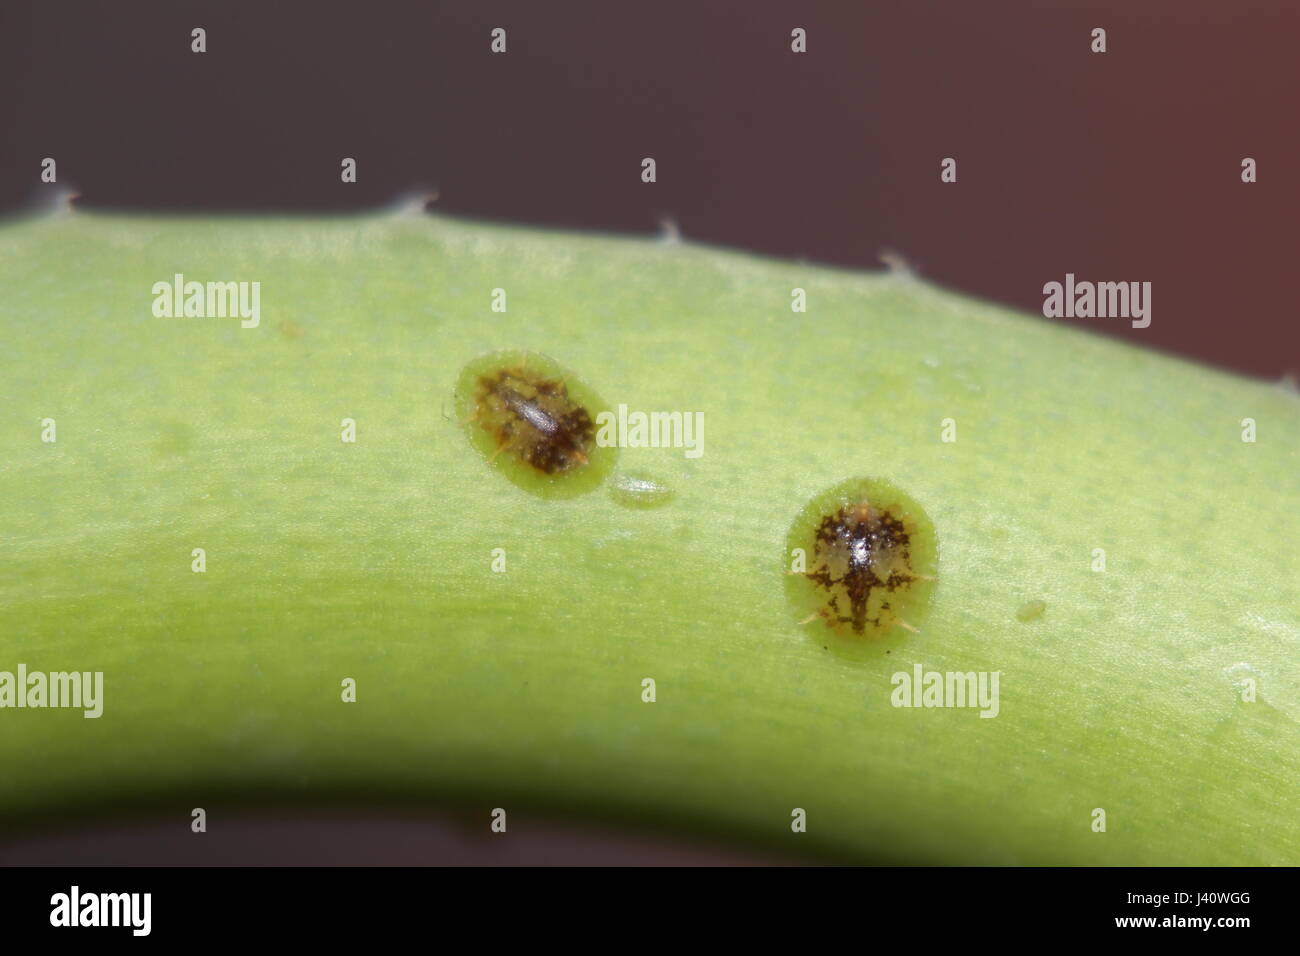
(372, 560)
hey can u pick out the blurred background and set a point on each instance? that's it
(1117, 166)
(1122, 166)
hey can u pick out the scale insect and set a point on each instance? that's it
(534, 422)
(863, 559)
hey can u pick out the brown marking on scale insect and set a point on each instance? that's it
(534, 419)
(861, 556)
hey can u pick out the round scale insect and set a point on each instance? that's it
(861, 561)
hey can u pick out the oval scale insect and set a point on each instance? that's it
(534, 422)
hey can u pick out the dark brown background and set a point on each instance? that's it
(1122, 166)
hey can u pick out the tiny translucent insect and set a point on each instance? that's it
(862, 559)
(533, 421)
(639, 491)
